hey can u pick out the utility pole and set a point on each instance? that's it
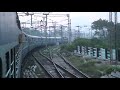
(46, 14)
(116, 49)
(44, 33)
(31, 17)
(70, 32)
(110, 16)
(41, 27)
(61, 33)
(110, 33)
(55, 30)
(49, 31)
(27, 14)
(69, 28)
(75, 34)
(78, 31)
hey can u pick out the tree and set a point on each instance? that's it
(101, 27)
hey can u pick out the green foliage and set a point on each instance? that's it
(93, 68)
(98, 43)
(103, 40)
(68, 47)
(99, 24)
(111, 69)
(82, 42)
(89, 63)
(94, 42)
(102, 26)
(87, 67)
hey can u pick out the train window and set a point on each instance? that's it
(7, 61)
(0, 68)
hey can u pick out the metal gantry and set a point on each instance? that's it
(46, 23)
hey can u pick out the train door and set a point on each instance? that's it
(0, 68)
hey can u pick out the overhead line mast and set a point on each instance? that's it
(110, 32)
(115, 33)
(116, 47)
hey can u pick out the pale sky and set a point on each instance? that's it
(86, 18)
(79, 18)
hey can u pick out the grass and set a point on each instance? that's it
(92, 68)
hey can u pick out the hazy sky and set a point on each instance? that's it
(86, 18)
(80, 18)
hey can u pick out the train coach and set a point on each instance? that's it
(15, 44)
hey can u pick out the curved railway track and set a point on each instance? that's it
(53, 65)
(74, 69)
(71, 69)
(48, 66)
(55, 70)
(66, 64)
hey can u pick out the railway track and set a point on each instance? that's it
(53, 69)
(74, 69)
(29, 73)
(48, 66)
(57, 58)
(25, 68)
(52, 64)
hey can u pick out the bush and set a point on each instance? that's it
(111, 69)
(82, 42)
(68, 47)
(94, 42)
(89, 64)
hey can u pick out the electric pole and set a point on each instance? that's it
(78, 31)
(110, 33)
(69, 28)
(31, 14)
(116, 50)
(75, 34)
(110, 16)
(54, 30)
(46, 14)
(41, 27)
(61, 33)
(27, 14)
